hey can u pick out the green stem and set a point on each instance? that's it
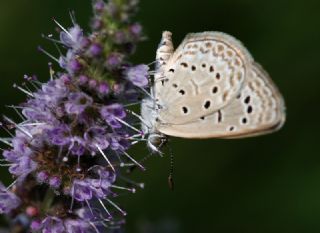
(48, 200)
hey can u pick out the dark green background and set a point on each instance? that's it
(259, 185)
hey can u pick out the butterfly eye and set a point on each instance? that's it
(218, 76)
(249, 109)
(193, 68)
(204, 65)
(171, 70)
(174, 85)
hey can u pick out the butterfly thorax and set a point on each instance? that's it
(149, 114)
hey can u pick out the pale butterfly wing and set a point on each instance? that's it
(258, 109)
(203, 75)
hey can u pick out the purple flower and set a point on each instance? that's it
(138, 75)
(70, 63)
(42, 177)
(77, 146)
(77, 226)
(95, 50)
(120, 37)
(97, 24)
(59, 135)
(118, 88)
(8, 200)
(22, 167)
(21, 146)
(55, 182)
(135, 30)
(77, 103)
(114, 60)
(96, 137)
(83, 79)
(36, 225)
(116, 110)
(93, 187)
(112, 9)
(22, 164)
(11, 156)
(112, 113)
(119, 144)
(99, 5)
(73, 38)
(50, 95)
(81, 190)
(73, 128)
(82, 221)
(74, 66)
(93, 83)
(52, 225)
(103, 88)
(37, 112)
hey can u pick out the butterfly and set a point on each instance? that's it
(209, 87)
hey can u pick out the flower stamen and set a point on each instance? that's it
(65, 30)
(6, 141)
(104, 207)
(18, 126)
(134, 161)
(128, 125)
(23, 90)
(48, 54)
(12, 184)
(139, 185)
(16, 110)
(133, 190)
(116, 206)
(105, 157)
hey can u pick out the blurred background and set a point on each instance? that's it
(269, 184)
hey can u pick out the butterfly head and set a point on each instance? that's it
(149, 114)
(156, 141)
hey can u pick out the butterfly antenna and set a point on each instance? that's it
(170, 178)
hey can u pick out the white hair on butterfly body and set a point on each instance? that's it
(151, 106)
(209, 87)
(155, 139)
